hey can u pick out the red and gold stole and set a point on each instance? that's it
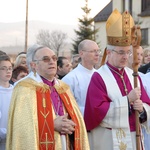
(66, 101)
(45, 121)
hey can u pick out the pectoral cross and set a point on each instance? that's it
(46, 142)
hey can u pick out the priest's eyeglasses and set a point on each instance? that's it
(93, 51)
(6, 69)
(122, 53)
(47, 59)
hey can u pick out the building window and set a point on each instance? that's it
(145, 4)
(123, 5)
(130, 6)
(127, 5)
(144, 38)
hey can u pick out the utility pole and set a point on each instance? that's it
(26, 28)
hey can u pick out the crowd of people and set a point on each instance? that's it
(52, 103)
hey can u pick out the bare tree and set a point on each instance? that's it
(43, 38)
(55, 40)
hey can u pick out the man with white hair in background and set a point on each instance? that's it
(111, 98)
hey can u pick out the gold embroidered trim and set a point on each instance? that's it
(119, 41)
(120, 134)
(61, 89)
(33, 84)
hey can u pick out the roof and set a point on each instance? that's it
(104, 13)
(145, 13)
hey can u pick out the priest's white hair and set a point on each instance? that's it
(31, 53)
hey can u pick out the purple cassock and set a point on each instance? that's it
(98, 102)
(56, 101)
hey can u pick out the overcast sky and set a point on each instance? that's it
(55, 11)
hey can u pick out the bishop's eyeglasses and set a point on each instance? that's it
(47, 59)
(122, 53)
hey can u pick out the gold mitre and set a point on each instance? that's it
(118, 28)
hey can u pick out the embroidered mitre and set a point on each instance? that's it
(118, 28)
